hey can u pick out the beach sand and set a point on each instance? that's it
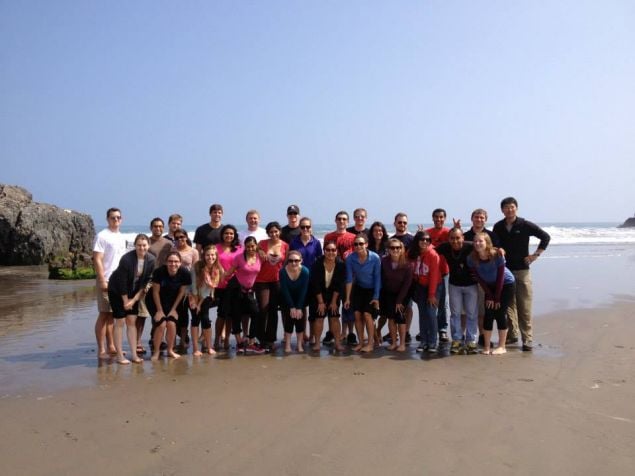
(565, 408)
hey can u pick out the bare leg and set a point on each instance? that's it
(195, 350)
(140, 324)
(402, 338)
(207, 339)
(502, 335)
(334, 327)
(380, 325)
(100, 334)
(287, 342)
(110, 338)
(118, 338)
(317, 327)
(392, 327)
(300, 337)
(159, 332)
(370, 329)
(359, 327)
(487, 337)
(131, 331)
(171, 336)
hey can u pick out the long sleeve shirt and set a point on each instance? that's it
(427, 271)
(294, 291)
(515, 241)
(367, 274)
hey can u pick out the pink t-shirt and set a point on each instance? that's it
(226, 260)
(246, 273)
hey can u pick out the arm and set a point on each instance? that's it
(434, 278)
(376, 282)
(98, 263)
(179, 298)
(156, 288)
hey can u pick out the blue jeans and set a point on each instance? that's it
(428, 326)
(464, 299)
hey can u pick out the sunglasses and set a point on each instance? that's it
(402, 223)
(342, 219)
(305, 227)
(359, 243)
(180, 237)
(393, 248)
(330, 250)
(427, 239)
(293, 260)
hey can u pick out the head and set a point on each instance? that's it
(483, 245)
(401, 223)
(229, 236)
(141, 244)
(113, 217)
(360, 215)
(173, 262)
(378, 235)
(156, 227)
(253, 220)
(479, 218)
(273, 230)
(456, 239)
(293, 215)
(421, 243)
(251, 246)
(360, 245)
(294, 259)
(330, 250)
(438, 217)
(210, 255)
(306, 227)
(175, 221)
(341, 220)
(215, 214)
(509, 207)
(396, 251)
(180, 238)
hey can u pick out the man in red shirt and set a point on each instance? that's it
(440, 234)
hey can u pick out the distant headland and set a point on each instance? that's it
(629, 223)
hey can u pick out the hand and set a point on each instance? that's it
(497, 305)
(375, 303)
(333, 308)
(173, 315)
(321, 309)
(128, 305)
(421, 228)
(489, 304)
(457, 223)
(158, 316)
(432, 301)
(103, 285)
(399, 308)
(530, 259)
(347, 304)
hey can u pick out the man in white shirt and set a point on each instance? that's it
(110, 246)
(253, 227)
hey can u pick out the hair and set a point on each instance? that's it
(236, 241)
(479, 211)
(214, 207)
(249, 239)
(293, 252)
(455, 231)
(508, 201)
(175, 217)
(200, 267)
(362, 235)
(173, 253)
(403, 261)
(439, 210)
(342, 212)
(157, 219)
(413, 250)
(357, 210)
(252, 212)
(399, 215)
(183, 232)
(330, 242)
(272, 224)
(490, 249)
(111, 210)
(372, 244)
(305, 219)
(141, 237)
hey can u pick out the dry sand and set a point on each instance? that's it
(566, 408)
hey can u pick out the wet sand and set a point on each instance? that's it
(567, 407)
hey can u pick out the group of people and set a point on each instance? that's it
(356, 280)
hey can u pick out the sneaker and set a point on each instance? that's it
(511, 340)
(422, 348)
(417, 337)
(471, 348)
(241, 348)
(329, 339)
(528, 346)
(443, 336)
(456, 346)
(255, 349)
(432, 349)
(351, 339)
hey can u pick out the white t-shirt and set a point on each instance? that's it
(259, 234)
(113, 246)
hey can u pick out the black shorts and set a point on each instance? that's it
(387, 304)
(164, 319)
(116, 304)
(360, 301)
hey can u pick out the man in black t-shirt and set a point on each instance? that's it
(209, 233)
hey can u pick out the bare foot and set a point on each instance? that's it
(300, 349)
(173, 354)
(287, 350)
(486, 352)
(392, 347)
(137, 360)
(197, 353)
(155, 356)
(499, 351)
(211, 351)
(366, 349)
(357, 348)
(103, 355)
(339, 348)
(316, 348)
(123, 361)
(401, 348)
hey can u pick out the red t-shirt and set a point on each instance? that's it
(343, 241)
(272, 264)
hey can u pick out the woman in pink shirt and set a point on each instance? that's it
(228, 249)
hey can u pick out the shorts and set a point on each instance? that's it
(103, 303)
(164, 319)
(360, 301)
(387, 303)
(118, 311)
(143, 309)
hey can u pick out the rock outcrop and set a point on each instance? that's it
(629, 223)
(34, 233)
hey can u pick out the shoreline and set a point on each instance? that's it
(565, 407)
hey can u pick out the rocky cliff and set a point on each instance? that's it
(34, 233)
(629, 223)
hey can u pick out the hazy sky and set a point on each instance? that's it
(161, 107)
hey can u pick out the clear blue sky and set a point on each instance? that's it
(161, 107)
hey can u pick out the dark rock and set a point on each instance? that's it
(629, 223)
(34, 233)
